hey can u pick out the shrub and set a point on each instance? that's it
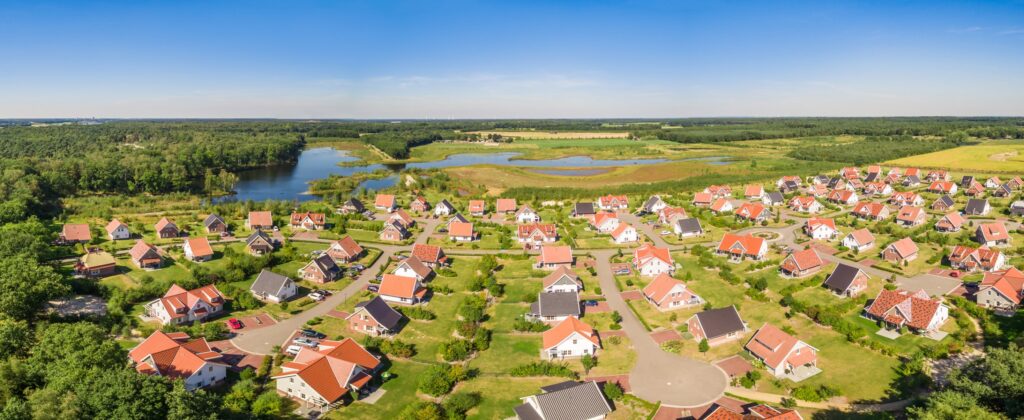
(544, 369)
(472, 308)
(466, 329)
(521, 324)
(613, 391)
(458, 404)
(703, 347)
(416, 312)
(672, 346)
(616, 317)
(439, 379)
(422, 410)
(454, 350)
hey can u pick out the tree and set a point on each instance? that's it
(13, 338)
(703, 346)
(423, 410)
(269, 404)
(612, 390)
(197, 405)
(26, 285)
(951, 405)
(588, 362)
(16, 409)
(995, 381)
(72, 348)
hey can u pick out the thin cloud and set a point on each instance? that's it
(966, 30)
(1014, 31)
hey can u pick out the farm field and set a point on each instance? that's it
(997, 156)
(530, 134)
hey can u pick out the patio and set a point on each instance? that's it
(801, 373)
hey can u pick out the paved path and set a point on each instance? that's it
(660, 376)
(671, 379)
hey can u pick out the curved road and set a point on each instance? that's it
(668, 378)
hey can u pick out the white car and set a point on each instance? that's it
(665, 233)
(317, 296)
(303, 341)
(292, 350)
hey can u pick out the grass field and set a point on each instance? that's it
(1000, 156)
(557, 134)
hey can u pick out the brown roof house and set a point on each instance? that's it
(667, 293)
(145, 255)
(198, 249)
(992, 234)
(717, 325)
(260, 220)
(166, 229)
(783, 355)
(801, 263)
(308, 221)
(324, 376)
(345, 249)
(552, 257)
(903, 250)
(917, 311)
(1001, 289)
(75, 233)
(116, 230)
(431, 255)
(951, 222)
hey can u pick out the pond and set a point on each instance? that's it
(291, 182)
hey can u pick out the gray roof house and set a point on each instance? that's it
(583, 209)
(911, 181)
(1017, 208)
(689, 227)
(381, 312)
(555, 306)
(565, 401)
(352, 205)
(977, 207)
(773, 198)
(717, 324)
(273, 287)
(651, 204)
(846, 280)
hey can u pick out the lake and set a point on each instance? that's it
(291, 182)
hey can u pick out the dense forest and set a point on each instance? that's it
(720, 130)
(873, 149)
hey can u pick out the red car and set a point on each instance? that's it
(234, 323)
(954, 274)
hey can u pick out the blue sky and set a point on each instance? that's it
(462, 59)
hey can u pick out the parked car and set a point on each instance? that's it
(313, 334)
(359, 267)
(665, 233)
(304, 341)
(292, 350)
(373, 288)
(954, 274)
(317, 295)
(235, 324)
(590, 303)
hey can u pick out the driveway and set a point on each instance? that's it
(263, 340)
(659, 376)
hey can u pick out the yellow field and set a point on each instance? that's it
(1002, 156)
(556, 134)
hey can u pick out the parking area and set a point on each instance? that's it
(253, 322)
(665, 336)
(932, 284)
(294, 335)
